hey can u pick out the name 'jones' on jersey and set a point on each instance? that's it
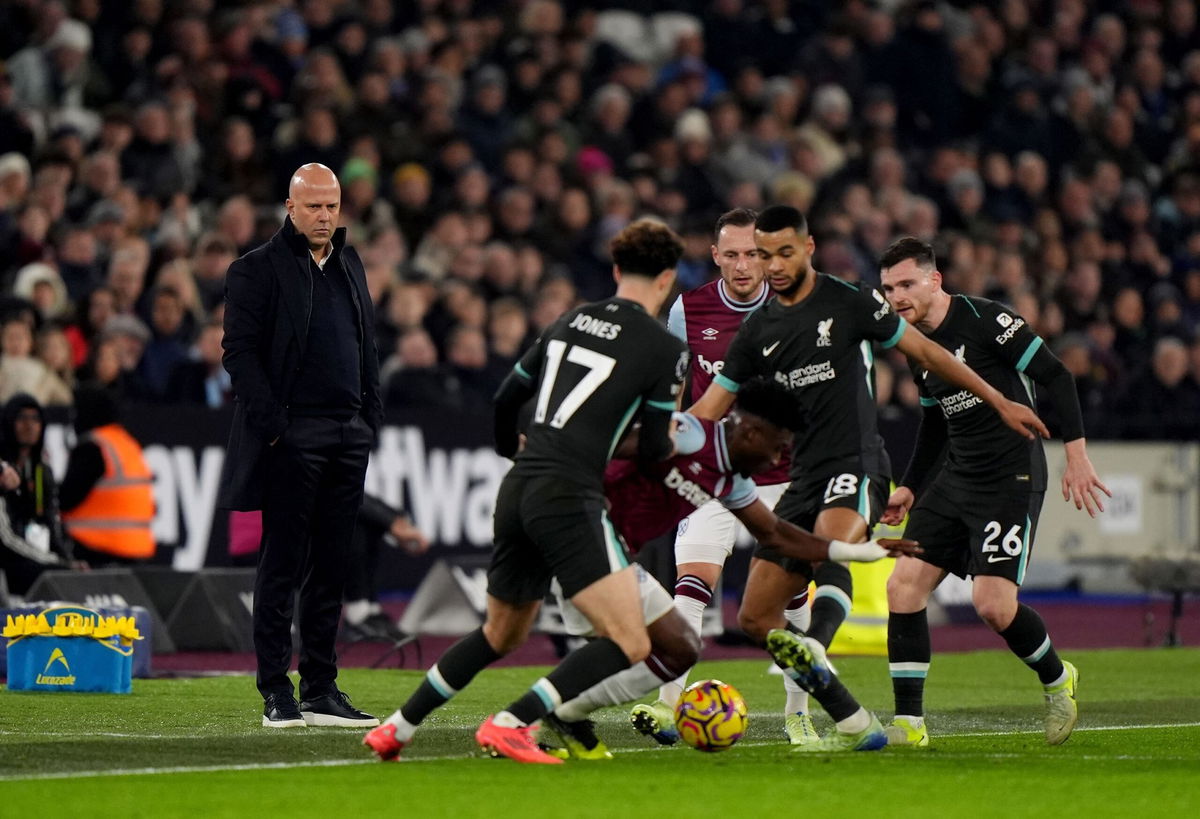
(821, 348)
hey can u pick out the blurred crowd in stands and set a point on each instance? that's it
(489, 150)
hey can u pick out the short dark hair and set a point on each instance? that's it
(908, 247)
(781, 217)
(738, 217)
(646, 248)
(772, 402)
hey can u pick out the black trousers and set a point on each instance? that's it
(314, 490)
(362, 561)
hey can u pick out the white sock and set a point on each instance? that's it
(404, 728)
(693, 612)
(375, 607)
(858, 721)
(1062, 678)
(355, 611)
(631, 684)
(797, 697)
(506, 720)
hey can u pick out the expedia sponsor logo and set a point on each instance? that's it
(805, 376)
(688, 490)
(959, 402)
(57, 662)
(1011, 331)
(710, 367)
(595, 327)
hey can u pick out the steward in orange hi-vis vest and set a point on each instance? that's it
(116, 516)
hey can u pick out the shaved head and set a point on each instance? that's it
(312, 175)
(314, 205)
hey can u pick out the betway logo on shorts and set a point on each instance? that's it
(1011, 325)
(710, 367)
(959, 402)
(688, 490)
(806, 376)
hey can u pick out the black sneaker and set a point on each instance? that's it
(280, 711)
(384, 627)
(334, 709)
(376, 628)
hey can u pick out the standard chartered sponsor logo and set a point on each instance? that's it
(959, 402)
(805, 376)
(1010, 332)
(688, 490)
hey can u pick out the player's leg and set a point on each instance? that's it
(1000, 565)
(702, 544)
(611, 605)
(578, 542)
(909, 650)
(507, 627)
(850, 506)
(803, 656)
(775, 587)
(770, 585)
(518, 580)
(797, 719)
(938, 520)
(674, 647)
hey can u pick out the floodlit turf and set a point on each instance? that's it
(194, 747)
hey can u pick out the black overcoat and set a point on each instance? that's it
(268, 303)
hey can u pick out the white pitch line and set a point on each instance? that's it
(338, 763)
(254, 766)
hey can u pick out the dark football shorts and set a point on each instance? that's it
(804, 500)
(977, 531)
(546, 527)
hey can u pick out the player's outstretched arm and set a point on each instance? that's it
(1080, 483)
(931, 356)
(791, 541)
(713, 405)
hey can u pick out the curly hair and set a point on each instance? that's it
(772, 402)
(646, 248)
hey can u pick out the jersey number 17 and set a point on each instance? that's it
(598, 368)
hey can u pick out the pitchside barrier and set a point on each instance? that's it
(441, 468)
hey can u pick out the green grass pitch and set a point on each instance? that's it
(194, 748)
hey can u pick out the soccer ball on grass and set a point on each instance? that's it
(711, 715)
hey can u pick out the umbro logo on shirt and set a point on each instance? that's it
(768, 350)
(710, 333)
